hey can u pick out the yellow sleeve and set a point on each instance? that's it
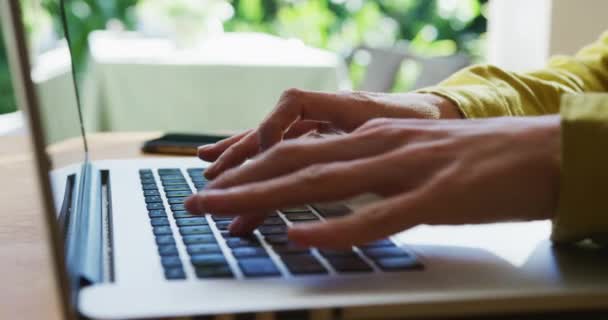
(583, 210)
(488, 91)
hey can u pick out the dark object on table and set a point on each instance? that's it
(184, 144)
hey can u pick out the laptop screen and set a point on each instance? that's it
(44, 87)
(53, 78)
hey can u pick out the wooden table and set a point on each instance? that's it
(27, 289)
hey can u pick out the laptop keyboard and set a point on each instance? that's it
(213, 252)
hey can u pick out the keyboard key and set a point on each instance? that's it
(195, 230)
(196, 221)
(273, 221)
(157, 213)
(165, 171)
(302, 216)
(179, 187)
(157, 222)
(165, 239)
(397, 263)
(148, 180)
(162, 230)
(168, 183)
(234, 242)
(149, 186)
(198, 238)
(177, 200)
(331, 209)
(152, 199)
(295, 209)
(151, 192)
(213, 259)
(203, 248)
(199, 180)
(272, 229)
(217, 218)
(277, 239)
(338, 253)
(303, 264)
(258, 267)
(167, 250)
(219, 271)
(223, 225)
(171, 261)
(179, 214)
(349, 264)
(382, 252)
(165, 177)
(146, 175)
(181, 193)
(247, 252)
(379, 243)
(177, 207)
(155, 206)
(289, 248)
(175, 273)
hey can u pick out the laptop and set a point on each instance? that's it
(123, 247)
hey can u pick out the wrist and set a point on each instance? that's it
(446, 108)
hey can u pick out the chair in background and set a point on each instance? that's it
(384, 65)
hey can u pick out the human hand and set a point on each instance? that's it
(300, 112)
(430, 172)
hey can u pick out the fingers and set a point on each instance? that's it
(211, 152)
(314, 183)
(370, 223)
(292, 156)
(234, 155)
(245, 224)
(301, 128)
(304, 105)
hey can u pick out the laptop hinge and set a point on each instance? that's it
(88, 242)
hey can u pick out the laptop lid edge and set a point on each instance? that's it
(26, 97)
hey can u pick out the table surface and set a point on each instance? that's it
(25, 273)
(27, 288)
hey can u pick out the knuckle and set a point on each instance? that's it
(316, 173)
(375, 124)
(283, 150)
(290, 93)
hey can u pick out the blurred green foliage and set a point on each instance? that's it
(430, 27)
(85, 16)
(7, 100)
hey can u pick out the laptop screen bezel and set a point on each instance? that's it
(27, 101)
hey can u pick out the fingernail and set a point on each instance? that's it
(193, 204)
(236, 227)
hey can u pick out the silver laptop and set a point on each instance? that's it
(124, 247)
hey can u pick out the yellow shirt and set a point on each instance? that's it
(564, 86)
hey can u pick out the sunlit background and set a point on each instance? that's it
(426, 28)
(215, 65)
